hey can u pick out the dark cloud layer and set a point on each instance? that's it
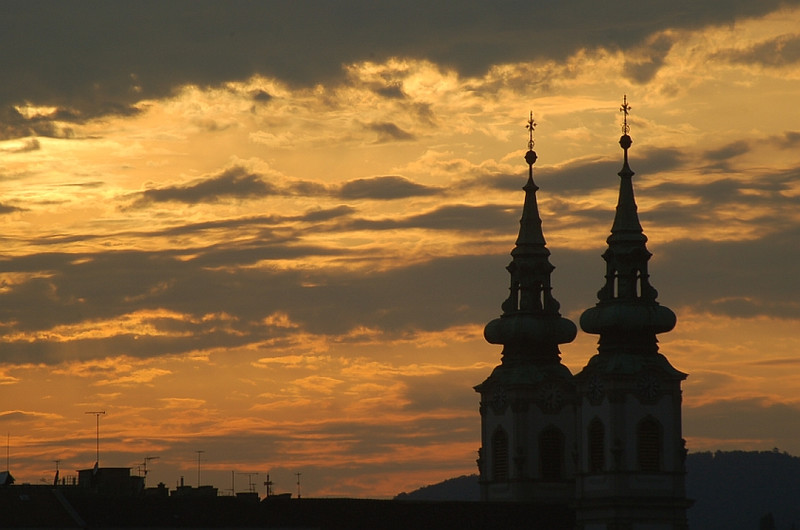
(241, 183)
(454, 217)
(94, 57)
(754, 419)
(590, 174)
(649, 58)
(387, 187)
(781, 51)
(5, 208)
(388, 132)
(219, 280)
(92, 288)
(16, 415)
(235, 183)
(738, 278)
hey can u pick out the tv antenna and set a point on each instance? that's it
(298, 484)
(144, 465)
(97, 414)
(251, 486)
(199, 452)
(268, 483)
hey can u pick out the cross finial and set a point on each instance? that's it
(625, 109)
(531, 127)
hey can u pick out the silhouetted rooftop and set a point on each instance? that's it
(37, 506)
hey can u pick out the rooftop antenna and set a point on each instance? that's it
(97, 414)
(298, 484)
(199, 452)
(268, 484)
(8, 451)
(251, 486)
(144, 465)
(55, 480)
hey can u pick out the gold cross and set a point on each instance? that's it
(625, 109)
(531, 126)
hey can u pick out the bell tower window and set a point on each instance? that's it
(648, 435)
(597, 449)
(500, 455)
(551, 454)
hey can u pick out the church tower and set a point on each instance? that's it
(528, 402)
(631, 469)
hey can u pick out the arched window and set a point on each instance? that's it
(500, 455)
(648, 442)
(597, 446)
(551, 454)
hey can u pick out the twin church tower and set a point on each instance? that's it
(606, 441)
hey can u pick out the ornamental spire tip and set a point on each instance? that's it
(625, 141)
(625, 109)
(530, 156)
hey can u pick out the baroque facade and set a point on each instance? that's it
(606, 441)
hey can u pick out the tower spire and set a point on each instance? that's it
(627, 316)
(530, 230)
(626, 222)
(531, 327)
(628, 394)
(528, 401)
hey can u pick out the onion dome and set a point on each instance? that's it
(531, 327)
(627, 316)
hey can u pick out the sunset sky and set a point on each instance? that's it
(274, 231)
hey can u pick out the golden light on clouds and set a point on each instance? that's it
(290, 266)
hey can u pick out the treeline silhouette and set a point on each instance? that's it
(732, 490)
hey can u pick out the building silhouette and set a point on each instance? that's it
(606, 441)
(527, 403)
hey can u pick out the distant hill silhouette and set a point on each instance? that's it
(732, 490)
(463, 488)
